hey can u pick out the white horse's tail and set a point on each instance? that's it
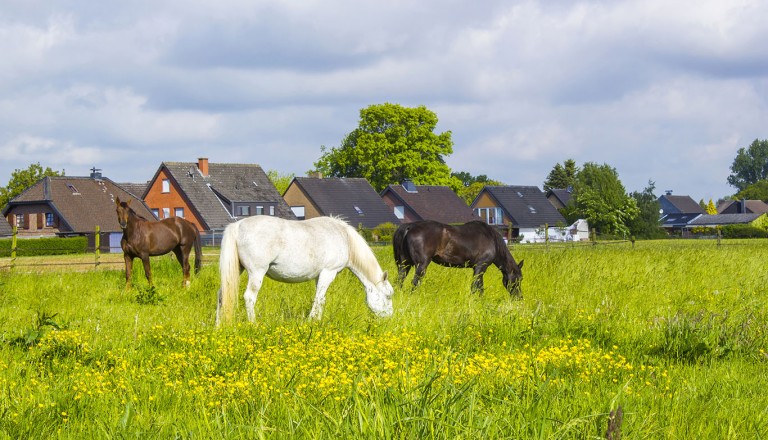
(229, 269)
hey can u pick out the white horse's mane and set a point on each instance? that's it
(361, 258)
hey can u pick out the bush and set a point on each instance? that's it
(29, 247)
(744, 231)
(384, 231)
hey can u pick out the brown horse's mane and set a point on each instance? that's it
(132, 212)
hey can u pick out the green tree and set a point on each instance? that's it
(600, 197)
(750, 165)
(711, 208)
(647, 222)
(755, 191)
(472, 185)
(562, 176)
(392, 143)
(281, 181)
(22, 179)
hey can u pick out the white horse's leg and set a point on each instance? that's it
(323, 281)
(251, 292)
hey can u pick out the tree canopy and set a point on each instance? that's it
(562, 176)
(281, 181)
(754, 191)
(392, 143)
(600, 197)
(472, 185)
(646, 224)
(22, 179)
(750, 165)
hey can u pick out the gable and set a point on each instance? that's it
(524, 206)
(430, 202)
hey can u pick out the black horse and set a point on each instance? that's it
(474, 244)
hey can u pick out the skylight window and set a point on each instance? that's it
(519, 194)
(74, 190)
(359, 211)
(532, 209)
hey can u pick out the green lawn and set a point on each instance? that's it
(672, 333)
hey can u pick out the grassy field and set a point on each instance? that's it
(671, 334)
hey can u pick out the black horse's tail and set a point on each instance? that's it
(399, 245)
(198, 251)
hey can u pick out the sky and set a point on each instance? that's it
(661, 91)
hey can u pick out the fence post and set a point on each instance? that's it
(594, 237)
(13, 245)
(546, 236)
(97, 244)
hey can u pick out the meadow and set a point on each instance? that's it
(671, 336)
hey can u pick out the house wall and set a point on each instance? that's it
(34, 220)
(486, 201)
(157, 199)
(295, 196)
(555, 202)
(392, 201)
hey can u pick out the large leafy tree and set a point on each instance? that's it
(22, 179)
(562, 176)
(755, 191)
(472, 185)
(392, 143)
(646, 224)
(281, 181)
(600, 197)
(750, 165)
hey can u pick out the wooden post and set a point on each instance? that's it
(594, 237)
(13, 246)
(719, 235)
(546, 236)
(97, 244)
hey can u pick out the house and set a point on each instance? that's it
(213, 195)
(711, 221)
(742, 207)
(678, 222)
(517, 210)
(350, 198)
(679, 205)
(560, 198)
(65, 205)
(411, 202)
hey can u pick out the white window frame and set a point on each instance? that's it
(166, 212)
(166, 186)
(178, 212)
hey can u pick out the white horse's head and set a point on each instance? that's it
(379, 296)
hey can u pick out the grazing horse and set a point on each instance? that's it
(142, 239)
(293, 251)
(474, 244)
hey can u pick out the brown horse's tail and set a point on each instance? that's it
(229, 269)
(198, 252)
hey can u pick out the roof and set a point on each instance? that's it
(5, 228)
(677, 220)
(225, 183)
(563, 195)
(137, 189)
(433, 202)
(81, 202)
(735, 207)
(680, 205)
(351, 198)
(526, 206)
(724, 219)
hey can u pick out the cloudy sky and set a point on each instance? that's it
(660, 90)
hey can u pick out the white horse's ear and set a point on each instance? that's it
(386, 275)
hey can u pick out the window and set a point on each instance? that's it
(179, 212)
(243, 210)
(492, 216)
(156, 212)
(166, 186)
(358, 210)
(298, 211)
(166, 212)
(400, 212)
(272, 210)
(259, 210)
(20, 221)
(49, 219)
(74, 190)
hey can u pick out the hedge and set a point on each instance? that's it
(744, 231)
(28, 247)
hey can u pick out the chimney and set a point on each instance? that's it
(743, 206)
(315, 174)
(95, 173)
(202, 165)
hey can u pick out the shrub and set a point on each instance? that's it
(744, 231)
(29, 247)
(384, 231)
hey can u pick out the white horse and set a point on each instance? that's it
(293, 251)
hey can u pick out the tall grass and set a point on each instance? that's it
(674, 333)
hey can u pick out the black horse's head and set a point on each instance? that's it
(123, 212)
(512, 277)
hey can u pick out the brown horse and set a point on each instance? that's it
(142, 239)
(474, 244)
